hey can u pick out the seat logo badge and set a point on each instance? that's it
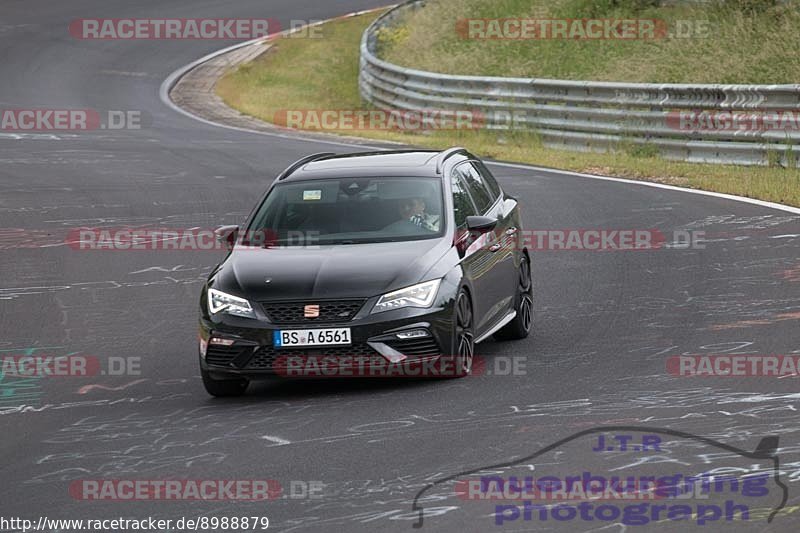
(311, 311)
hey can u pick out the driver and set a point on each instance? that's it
(413, 210)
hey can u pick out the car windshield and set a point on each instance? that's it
(349, 211)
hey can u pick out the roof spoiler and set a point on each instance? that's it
(302, 161)
(446, 154)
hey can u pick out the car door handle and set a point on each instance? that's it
(511, 231)
(495, 247)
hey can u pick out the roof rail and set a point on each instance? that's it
(302, 161)
(446, 154)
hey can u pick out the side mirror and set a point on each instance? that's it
(476, 227)
(227, 235)
(481, 224)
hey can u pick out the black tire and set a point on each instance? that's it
(227, 388)
(463, 335)
(520, 326)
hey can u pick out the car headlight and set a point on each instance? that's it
(419, 295)
(219, 301)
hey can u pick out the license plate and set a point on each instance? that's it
(311, 337)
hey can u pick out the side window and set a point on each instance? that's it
(477, 187)
(462, 203)
(494, 187)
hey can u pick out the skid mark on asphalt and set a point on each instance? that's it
(792, 274)
(703, 402)
(21, 409)
(761, 222)
(277, 440)
(17, 292)
(760, 322)
(33, 136)
(88, 388)
(176, 268)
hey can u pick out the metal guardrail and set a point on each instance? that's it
(591, 116)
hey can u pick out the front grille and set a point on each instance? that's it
(265, 357)
(329, 311)
(219, 355)
(415, 347)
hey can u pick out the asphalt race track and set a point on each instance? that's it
(606, 322)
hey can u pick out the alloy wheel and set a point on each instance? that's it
(465, 339)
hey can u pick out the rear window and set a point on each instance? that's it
(351, 211)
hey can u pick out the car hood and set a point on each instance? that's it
(327, 272)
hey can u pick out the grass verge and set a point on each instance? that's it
(715, 41)
(322, 73)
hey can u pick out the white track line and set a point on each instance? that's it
(761, 203)
(172, 79)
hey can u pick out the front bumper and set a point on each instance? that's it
(237, 347)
